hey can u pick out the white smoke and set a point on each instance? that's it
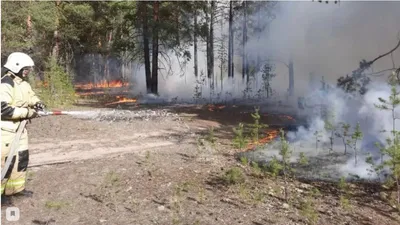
(375, 124)
(327, 40)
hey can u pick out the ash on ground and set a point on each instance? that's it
(126, 115)
(322, 164)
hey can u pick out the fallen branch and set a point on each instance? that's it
(350, 83)
(390, 52)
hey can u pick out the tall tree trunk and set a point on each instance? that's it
(106, 64)
(233, 54)
(244, 59)
(146, 47)
(291, 77)
(177, 14)
(99, 67)
(154, 75)
(258, 63)
(208, 41)
(56, 34)
(211, 69)
(29, 27)
(230, 44)
(222, 55)
(196, 65)
(93, 68)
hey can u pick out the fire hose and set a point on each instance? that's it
(21, 127)
(13, 148)
(54, 112)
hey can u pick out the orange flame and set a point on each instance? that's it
(122, 99)
(96, 93)
(102, 84)
(42, 84)
(287, 117)
(271, 135)
(214, 107)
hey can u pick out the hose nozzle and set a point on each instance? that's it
(54, 112)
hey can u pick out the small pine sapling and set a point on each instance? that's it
(375, 168)
(211, 136)
(355, 137)
(285, 154)
(240, 141)
(303, 161)
(274, 166)
(344, 134)
(256, 126)
(317, 136)
(344, 188)
(331, 128)
(392, 148)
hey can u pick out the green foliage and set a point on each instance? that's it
(355, 137)
(239, 141)
(244, 161)
(285, 151)
(211, 136)
(345, 202)
(285, 154)
(13, 34)
(344, 187)
(358, 81)
(317, 134)
(375, 168)
(307, 210)
(343, 133)
(234, 176)
(392, 147)
(331, 128)
(56, 204)
(303, 159)
(59, 91)
(256, 126)
(256, 169)
(274, 166)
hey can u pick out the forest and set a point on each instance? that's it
(94, 41)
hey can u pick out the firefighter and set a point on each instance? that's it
(18, 103)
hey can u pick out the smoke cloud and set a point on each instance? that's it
(330, 40)
(324, 39)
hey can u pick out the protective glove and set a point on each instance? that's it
(39, 106)
(31, 113)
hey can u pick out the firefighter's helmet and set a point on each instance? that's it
(18, 60)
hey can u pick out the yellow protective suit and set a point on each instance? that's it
(16, 95)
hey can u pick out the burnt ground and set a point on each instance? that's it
(166, 171)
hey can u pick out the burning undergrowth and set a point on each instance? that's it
(340, 139)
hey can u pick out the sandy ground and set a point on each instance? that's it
(164, 171)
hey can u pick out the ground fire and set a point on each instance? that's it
(287, 117)
(212, 107)
(102, 84)
(270, 136)
(105, 88)
(122, 99)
